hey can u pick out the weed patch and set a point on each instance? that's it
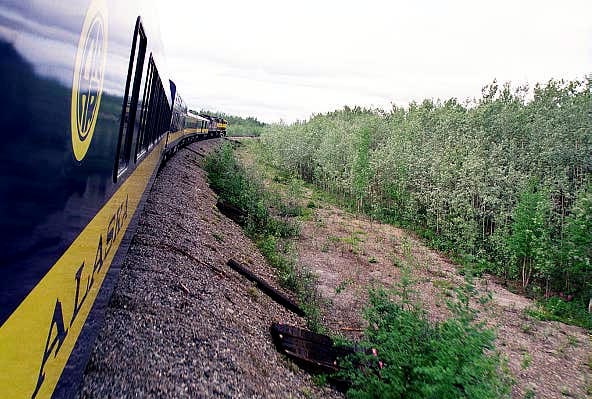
(407, 355)
(557, 309)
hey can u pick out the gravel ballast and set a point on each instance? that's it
(180, 323)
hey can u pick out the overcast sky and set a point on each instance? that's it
(288, 59)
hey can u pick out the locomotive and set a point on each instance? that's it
(88, 114)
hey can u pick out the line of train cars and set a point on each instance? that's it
(88, 113)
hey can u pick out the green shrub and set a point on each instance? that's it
(234, 185)
(229, 179)
(574, 312)
(423, 359)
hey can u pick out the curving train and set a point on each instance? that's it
(88, 114)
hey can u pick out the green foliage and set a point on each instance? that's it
(526, 360)
(361, 172)
(573, 312)
(529, 240)
(229, 179)
(462, 176)
(245, 191)
(343, 285)
(578, 242)
(280, 260)
(319, 380)
(233, 184)
(424, 359)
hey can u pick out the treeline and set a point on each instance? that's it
(239, 126)
(502, 182)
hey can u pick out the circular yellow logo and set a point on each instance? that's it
(87, 83)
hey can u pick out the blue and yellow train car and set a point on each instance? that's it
(216, 125)
(222, 124)
(87, 113)
(195, 124)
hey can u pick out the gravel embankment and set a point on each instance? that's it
(180, 322)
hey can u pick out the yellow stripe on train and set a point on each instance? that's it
(185, 132)
(37, 339)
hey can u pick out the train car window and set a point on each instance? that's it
(166, 122)
(154, 105)
(158, 119)
(161, 114)
(130, 103)
(156, 114)
(150, 95)
(167, 118)
(147, 99)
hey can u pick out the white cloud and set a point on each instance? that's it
(275, 60)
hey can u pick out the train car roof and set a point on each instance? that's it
(199, 118)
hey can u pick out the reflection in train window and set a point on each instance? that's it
(129, 124)
(146, 104)
(156, 114)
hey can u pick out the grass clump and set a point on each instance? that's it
(343, 285)
(424, 359)
(557, 309)
(526, 361)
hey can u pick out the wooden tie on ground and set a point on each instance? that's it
(316, 353)
(267, 288)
